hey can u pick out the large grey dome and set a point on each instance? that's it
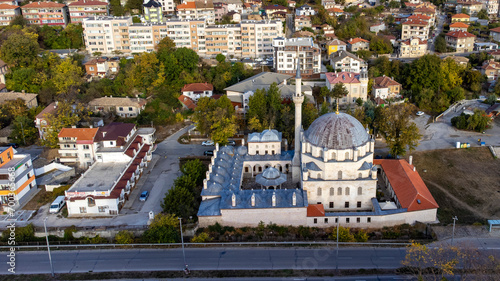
(337, 131)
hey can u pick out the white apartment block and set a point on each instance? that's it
(167, 6)
(286, 51)
(247, 39)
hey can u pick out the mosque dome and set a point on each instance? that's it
(337, 131)
(271, 173)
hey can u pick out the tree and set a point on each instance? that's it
(124, 237)
(435, 263)
(394, 5)
(337, 92)
(180, 202)
(399, 132)
(163, 229)
(164, 47)
(134, 5)
(452, 74)
(482, 14)
(65, 116)
(440, 44)
(215, 118)
(381, 45)
(18, 20)
(195, 169)
(476, 122)
(265, 108)
(23, 130)
(19, 50)
(345, 234)
(66, 75)
(220, 58)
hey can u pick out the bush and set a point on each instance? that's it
(345, 235)
(68, 233)
(124, 237)
(23, 234)
(163, 229)
(361, 236)
(201, 238)
(477, 122)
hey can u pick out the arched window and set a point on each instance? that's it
(339, 191)
(347, 156)
(334, 156)
(360, 175)
(319, 176)
(360, 190)
(332, 191)
(340, 175)
(347, 191)
(91, 202)
(246, 169)
(319, 191)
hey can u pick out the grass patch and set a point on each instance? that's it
(43, 197)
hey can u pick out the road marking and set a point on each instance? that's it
(386, 258)
(345, 258)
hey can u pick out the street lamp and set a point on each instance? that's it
(337, 254)
(453, 233)
(48, 246)
(183, 252)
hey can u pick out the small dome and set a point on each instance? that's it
(225, 156)
(269, 135)
(227, 149)
(242, 150)
(271, 173)
(214, 186)
(222, 163)
(218, 178)
(337, 131)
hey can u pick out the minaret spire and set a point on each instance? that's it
(298, 99)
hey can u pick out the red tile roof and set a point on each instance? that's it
(384, 82)
(496, 29)
(197, 87)
(420, 41)
(275, 7)
(410, 189)
(336, 42)
(415, 22)
(46, 4)
(88, 3)
(189, 103)
(460, 34)
(315, 210)
(187, 5)
(81, 134)
(342, 77)
(424, 10)
(5, 6)
(419, 17)
(461, 25)
(356, 40)
(51, 108)
(335, 10)
(460, 16)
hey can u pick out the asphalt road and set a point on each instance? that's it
(207, 259)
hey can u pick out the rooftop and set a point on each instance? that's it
(357, 40)
(81, 134)
(384, 82)
(88, 3)
(260, 81)
(460, 34)
(46, 4)
(463, 25)
(344, 77)
(460, 16)
(100, 177)
(117, 101)
(16, 95)
(197, 87)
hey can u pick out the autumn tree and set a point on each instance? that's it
(19, 50)
(163, 229)
(65, 116)
(215, 118)
(264, 108)
(66, 75)
(345, 234)
(164, 47)
(381, 45)
(399, 132)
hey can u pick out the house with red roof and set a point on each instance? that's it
(76, 146)
(42, 121)
(87, 8)
(460, 18)
(187, 102)
(495, 34)
(385, 87)
(426, 11)
(355, 83)
(46, 13)
(417, 28)
(459, 26)
(491, 69)
(197, 90)
(357, 44)
(460, 41)
(412, 48)
(335, 12)
(8, 12)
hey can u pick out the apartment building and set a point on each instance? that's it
(346, 62)
(491, 69)
(286, 51)
(413, 48)
(87, 8)
(152, 11)
(46, 13)
(76, 146)
(355, 83)
(427, 11)
(17, 178)
(257, 37)
(8, 12)
(461, 41)
(203, 9)
(471, 7)
(415, 28)
(168, 6)
(301, 22)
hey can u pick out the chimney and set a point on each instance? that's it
(274, 199)
(294, 199)
(253, 199)
(414, 169)
(233, 200)
(410, 159)
(22, 91)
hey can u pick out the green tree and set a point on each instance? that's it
(265, 108)
(309, 114)
(18, 20)
(66, 75)
(164, 47)
(163, 229)
(220, 58)
(338, 91)
(124, 237)
(25, 78)
(23, 130)
(381, 45)
(476, 122)
(424, 72)
(452, 74)
(440, 44)
(195, 169)
(65, 116)
(345, 234)
(180, 202)
(19, 50)
(482, 14)
(215, 118)
(394, 5)
(399, 132)
(116, 8)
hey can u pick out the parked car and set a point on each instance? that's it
(231, 142)
(420, 113)
(14, 145)
(144, 196)
(208, 153)
(207, 143)
(258, 59)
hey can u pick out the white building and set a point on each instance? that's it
(195, 91)
(286, 51)
(167, 6)
(76, 146)
(346, 62)
(305, 10)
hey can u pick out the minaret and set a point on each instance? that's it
(298, 99)
(363, 79)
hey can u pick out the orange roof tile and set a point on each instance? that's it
(315, 210)
(46, 4)
(5, 6)
(460, 34)
(384, 82)
(195, 87)
(424, 10)
(187, 5)
(460, 16)
(81, 134)
(357, 40)
(419, 17)
(88, 3)
(496, 29)
(410, 189)
(460, 25)
(415, 22)
(335, 10)
(187, 101)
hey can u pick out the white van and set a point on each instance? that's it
(57, 205)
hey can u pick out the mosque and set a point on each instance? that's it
(330, 178)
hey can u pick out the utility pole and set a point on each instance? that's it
(48, 247)
(183, 252)
(22, 129)
(453, 233)
(337, 254)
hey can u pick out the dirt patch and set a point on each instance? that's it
(43, 197)
(464, 182)
(163, 132)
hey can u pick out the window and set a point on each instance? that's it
(86, 146)
(8, 155)
(326, 220)
(347, 191)
(332, 191)
(91, 202)
(102, 209)
(360, 190)
(358, 220)
(319, 191)
(340, 175)
(339, 191)
(331, 205)
(83, 210)
(87, 155)
(358, 204)
(346, 220)
(130, 109)
(91, 68)
(315, 221)
(319, 203)
(368, 219)
(346, 205)
(360, 175)
(120, 108)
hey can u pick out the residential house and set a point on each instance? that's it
(328, 4)
(376, 28)
(123, 151)
(460, 18)
(305, 10)
(328, 30)
(234, 16)
(42, 123)
(471, 7)
(288, 50)
(121, 106)
(167, 6)
(29, 99)
(97, 67)
(421, 17)
(427, 11)
(76, 146)
(152, 11)
(460, 41)
(491, 6)
(87, 8)
(385, 87)
(17, 179)
(462, 61)
(355, 83)
(415, 28)
(495, 34)
(335, 45)
(357, 44)
(197, 10)
(187, 102)
(196, 91)
(485, 46)
(46, 13)
(8, 12)
(301, 22)
(491, 69)
(4, 68)
(391, 38)
(412, 48)
(335, 12)
(346, 62)
(220, 9)
(275, 11)
(291, 3)
(459, 26)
